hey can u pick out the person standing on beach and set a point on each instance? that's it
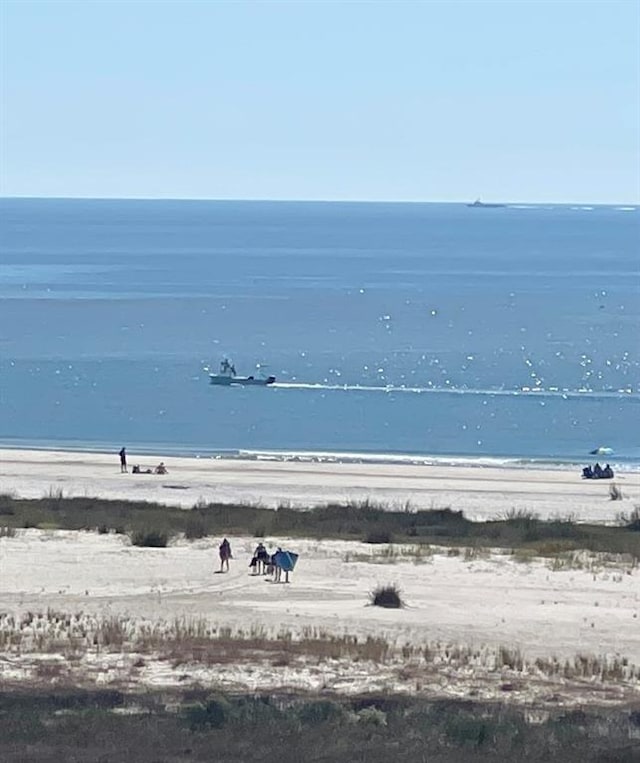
(225, 554)
(123, 460)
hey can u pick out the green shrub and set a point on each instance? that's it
(563, 529)
(378, 536)
(465, 729)
(630, 521)
(195, 715)
(149, 538)
(6, 505)
(387, 596)
(372, 716)
(214, 712)
(634, 520)
(323, 711)
(195, 528)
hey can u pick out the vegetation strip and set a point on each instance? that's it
(150, 524)
(200, 725)
(183, 640)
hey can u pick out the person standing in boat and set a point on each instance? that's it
(227, 368)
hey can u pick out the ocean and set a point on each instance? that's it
(395, 330)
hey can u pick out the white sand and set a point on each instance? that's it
(591, 607)
(479, 604)
(481, 492)
(494, 600)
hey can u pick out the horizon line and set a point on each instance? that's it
(316, 201)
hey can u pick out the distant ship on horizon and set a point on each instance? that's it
(478, 203)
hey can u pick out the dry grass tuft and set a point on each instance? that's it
(615, 493)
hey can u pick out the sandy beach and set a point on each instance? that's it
(60, 589)
(466, 608)
(481, 492)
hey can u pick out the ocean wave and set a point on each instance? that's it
(621, 462)
(414, 459)
(370, 458)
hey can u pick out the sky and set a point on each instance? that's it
(399, 101)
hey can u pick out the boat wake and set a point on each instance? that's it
(393, 389)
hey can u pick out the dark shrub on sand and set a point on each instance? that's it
(195, 528)
(149, 538)
(387, 596)
(379, 536)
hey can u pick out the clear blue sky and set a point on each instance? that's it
(513, 100)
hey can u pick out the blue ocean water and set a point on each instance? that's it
(431, 329)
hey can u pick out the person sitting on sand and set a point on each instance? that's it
(607, 472)
(225, 554)
(587, 472)
(597, 471)
(161, 468)
(260, 559)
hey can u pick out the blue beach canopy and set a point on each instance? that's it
(286, 560)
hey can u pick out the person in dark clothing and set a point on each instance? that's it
(123, 460)
(225, 554)
(260, 559)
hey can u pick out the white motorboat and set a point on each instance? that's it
(227, 377)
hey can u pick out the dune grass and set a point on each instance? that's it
(181, 641)
(365, 521)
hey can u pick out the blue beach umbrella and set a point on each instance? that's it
(286, 560)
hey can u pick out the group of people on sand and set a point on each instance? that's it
(278, 564)
(597, 473)
(160, 468)
(262, 562)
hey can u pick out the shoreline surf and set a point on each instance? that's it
(624, 464)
